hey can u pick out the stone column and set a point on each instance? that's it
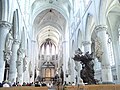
(19, 62)
(117, 58)
(25, 69)
(4, 29)
(13, 70)
(32, 62)
(87, 46)
(106, 68)
(7, 57)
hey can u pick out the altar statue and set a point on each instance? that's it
(87, 72)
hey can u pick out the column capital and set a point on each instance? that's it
(5, 24)
(100, 28)
(86, 43)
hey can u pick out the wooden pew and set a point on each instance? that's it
(24, 88)
(86, 87)
(94, 87)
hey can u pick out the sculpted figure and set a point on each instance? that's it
(19, 55)
(9, 41)
(8, 46)
(87, 72)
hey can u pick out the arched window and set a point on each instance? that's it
(53, 50)
(47, 50)
(42, 50)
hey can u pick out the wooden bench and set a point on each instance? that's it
(86, 87)
(94, 87)
(24, 88)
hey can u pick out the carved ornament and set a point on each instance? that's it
(5, 24)
(100, 28)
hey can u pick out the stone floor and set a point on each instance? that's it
(52, 89)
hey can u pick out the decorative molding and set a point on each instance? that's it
(5, 24)
(100, 28)
(98, 49)
(7, 55)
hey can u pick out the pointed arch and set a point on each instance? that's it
(90, 23)
(15, 26)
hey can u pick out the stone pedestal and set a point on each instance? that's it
(13, 70)
(7, 57)
(26, 69)
(106, 68)
(4, 29)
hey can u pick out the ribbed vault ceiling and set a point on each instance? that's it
(49, 32)
(49, 24)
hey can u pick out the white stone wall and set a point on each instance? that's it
(80, 25)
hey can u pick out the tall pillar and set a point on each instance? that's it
(19, 62)
(106, 67)
(32, 71)
(87, 46)
(117, 58)
(4, 29)
(26, 69)
(13, 70)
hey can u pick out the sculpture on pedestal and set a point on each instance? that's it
(9, 40)
(87, 72)
(8, 53)
(8, 46)
(19, 56)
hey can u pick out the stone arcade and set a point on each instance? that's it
(38, 39)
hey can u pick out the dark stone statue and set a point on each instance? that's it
(87, 72)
